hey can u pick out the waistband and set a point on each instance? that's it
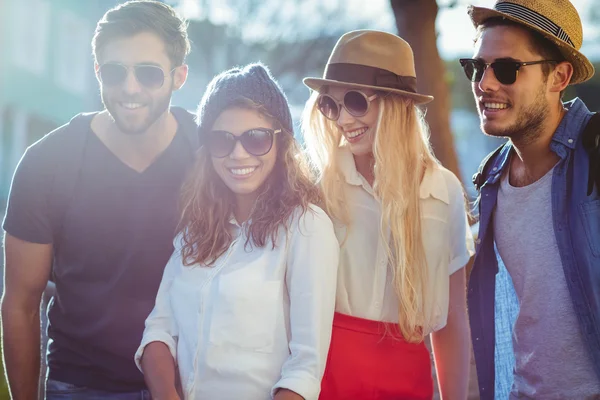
(368, 326)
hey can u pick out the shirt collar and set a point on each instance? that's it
(235, 225)
(432, 185)
(572, 124)
(348, 167)
(566, 134)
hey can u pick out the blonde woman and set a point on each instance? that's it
(400, 218)
(246, 303)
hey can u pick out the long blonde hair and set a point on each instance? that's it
(402, 154)
(207, 203)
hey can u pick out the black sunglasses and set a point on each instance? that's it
(150, 76)
(505, 70)
(256, 141)
(355, 102)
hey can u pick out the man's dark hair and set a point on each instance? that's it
(137, 16)
(537, 43)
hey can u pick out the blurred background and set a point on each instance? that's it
(47, 76)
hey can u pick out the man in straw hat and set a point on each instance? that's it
(535, 207)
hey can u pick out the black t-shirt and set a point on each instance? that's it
(115, 240)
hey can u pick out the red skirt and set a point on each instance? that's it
(369, 360)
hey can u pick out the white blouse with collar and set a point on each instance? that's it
(258, 320)
(365, 288)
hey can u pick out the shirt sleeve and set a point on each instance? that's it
(461, 238)
(27, 213)
(311, 278)
(160, 324)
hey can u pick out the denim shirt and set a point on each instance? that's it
(493, 305)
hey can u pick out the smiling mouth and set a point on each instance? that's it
(242, 172)
(131, 106)
(353, 135)
(489, 106)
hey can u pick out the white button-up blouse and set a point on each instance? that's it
(365, 288)
(258, 320)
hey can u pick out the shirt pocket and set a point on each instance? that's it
(435, 232)
(246, 313)
(590, 218)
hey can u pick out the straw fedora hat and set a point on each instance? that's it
(557, 20)
(371, 59)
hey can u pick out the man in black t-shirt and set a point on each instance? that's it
(106, 245)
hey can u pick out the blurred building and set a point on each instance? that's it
(45, 71)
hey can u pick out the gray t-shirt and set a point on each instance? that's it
(551, 360)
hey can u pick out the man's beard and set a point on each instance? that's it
(155, 110)
(529, 122)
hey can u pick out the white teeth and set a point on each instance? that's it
(497, 106)
(353, 134)
(131, 106)
(242, 171)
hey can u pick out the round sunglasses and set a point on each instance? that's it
(256, 141)
(147, 75)
(355, 102)
(506, 71)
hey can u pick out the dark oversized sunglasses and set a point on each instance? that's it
(256, 141)
(355, 102)
(506, 71)
(150, 76)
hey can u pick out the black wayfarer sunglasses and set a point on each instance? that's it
(505, 70)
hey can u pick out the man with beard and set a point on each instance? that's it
(536, 212)
(107, 247)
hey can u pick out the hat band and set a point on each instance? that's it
(533, 18)
(371, 76)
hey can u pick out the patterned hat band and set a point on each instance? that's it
(531, 17)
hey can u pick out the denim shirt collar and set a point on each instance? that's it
(566, 136)
(571, 126)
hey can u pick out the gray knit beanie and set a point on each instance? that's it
(254, 82)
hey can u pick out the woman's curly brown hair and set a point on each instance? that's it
(207, 204)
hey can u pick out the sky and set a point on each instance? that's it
(454, 25)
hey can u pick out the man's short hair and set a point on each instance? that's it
(137, 16)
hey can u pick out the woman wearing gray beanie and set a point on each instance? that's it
(246, 303)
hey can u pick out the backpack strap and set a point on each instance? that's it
(187, 121)
(480, 176)
(591, 142)
(75, 135)
(67, 144)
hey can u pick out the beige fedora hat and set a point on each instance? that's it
(557, 20)
(371, 59)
